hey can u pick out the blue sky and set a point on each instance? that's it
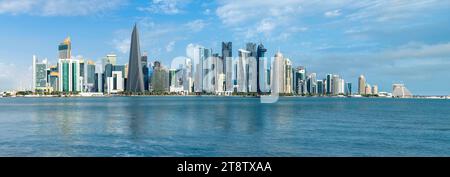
(388, 41)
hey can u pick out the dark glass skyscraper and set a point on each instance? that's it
(260, 54)
(227, 54)
(135, 81)
(329, 80)
(65, 48)
(144, 61)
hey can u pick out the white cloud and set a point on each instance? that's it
(170, 7)
(333, 13)
(244, 18)
(10, 80)
(16, 6)
(235, 12)
(169, 47)
(196, 25)
(419, 51)
(58, 7)
(122, 45)
(155, 37)
(266, 26)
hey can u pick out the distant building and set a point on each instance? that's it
(53, 78)
(400, 91)
(261, 69)
(368, 90)
(65, 49)
(300, 80)
(320, 87)
(361, 85)
(242, 70)
(375, 89)
(277, 74)
(288, 76)
(227, 57)
(329, 83)
(69, 80)
(342, 86)
(336, 84)
(89, 75)
(160, 78)
(109, 59)
(115, 83)
(145, 74)
(312, 83)
(39, 75)
(135, 79)
(348, 88)
(187, 76)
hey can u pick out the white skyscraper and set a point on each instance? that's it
(115, 83)
(263, 75)
(277, 73)
(242, 71)
(252, 74)
(342, 86)
(39, 78)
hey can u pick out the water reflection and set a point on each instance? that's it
(229, 126)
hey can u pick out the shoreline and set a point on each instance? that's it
(219, 96)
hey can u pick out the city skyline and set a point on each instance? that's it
(414, 52)
(203, 72)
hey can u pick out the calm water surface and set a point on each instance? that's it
(223, 126)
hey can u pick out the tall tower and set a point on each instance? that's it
(135, 81)
(260, 54)
(65, 49)
(144, 61)
(227, 55)
(361, 85)
(278, 70)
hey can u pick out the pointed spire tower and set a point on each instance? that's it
(135, 81)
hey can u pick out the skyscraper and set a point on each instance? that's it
(320, 87)
(65, 49)
(336, 84)
(287, 76)
(252, 68)
(135, 79)
(144, 62)
(160, 78)
(90, 76)
(278, 70)
(39, 74)
(348, 88)
(262, 67)
(242, 70)
(69, 70)
(375, 89)
(312, 83)
(227, 55)
(368, 89)
(300, 80)
(361, 85)
(109, 59)
(329, 82)
(53, 78)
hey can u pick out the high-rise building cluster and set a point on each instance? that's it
(364, 88)
(202, 72)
